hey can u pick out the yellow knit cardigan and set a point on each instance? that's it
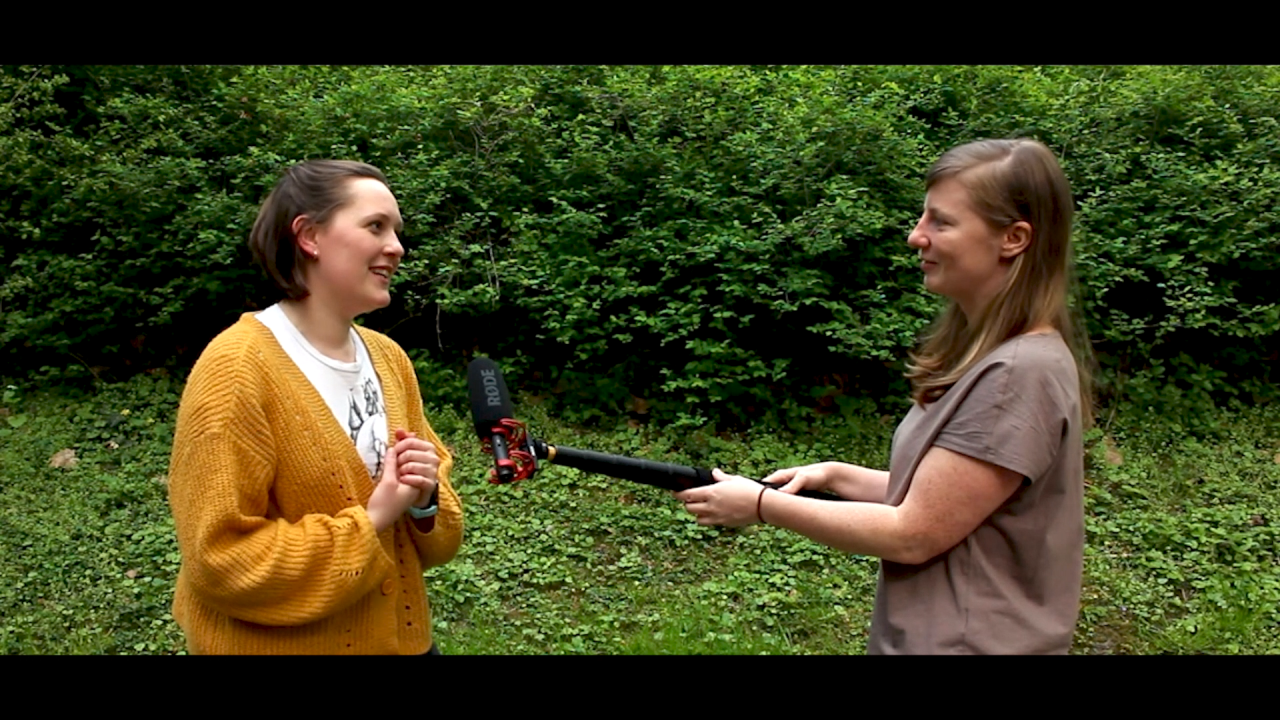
(268, 496)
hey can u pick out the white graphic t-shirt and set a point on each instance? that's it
(351, 390)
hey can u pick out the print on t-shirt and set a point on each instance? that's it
(359, 424)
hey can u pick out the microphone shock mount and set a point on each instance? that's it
(513, 452)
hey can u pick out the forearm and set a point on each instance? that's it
(272, 572)
(439, 543)
(854, 482)
(439, 538)
(258, 569)
(862, 528)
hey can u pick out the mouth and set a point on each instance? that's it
(383, 272)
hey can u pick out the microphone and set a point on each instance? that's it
(493, 415)
(516, 455)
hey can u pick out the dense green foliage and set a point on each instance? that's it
(709, 245)
(720, 243)
(1181, 555)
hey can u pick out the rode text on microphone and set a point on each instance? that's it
(500, 434)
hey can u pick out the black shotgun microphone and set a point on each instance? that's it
(492, 412)
(516, 454)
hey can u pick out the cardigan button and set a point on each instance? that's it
(388, 587)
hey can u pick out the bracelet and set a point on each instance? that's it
(760, 499)
(429, 511)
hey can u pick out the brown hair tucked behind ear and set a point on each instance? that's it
(315, 189)
(1008, 181)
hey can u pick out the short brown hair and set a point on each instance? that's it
(1009, 181)
(316, 189)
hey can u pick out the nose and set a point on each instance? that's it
(395, 249)
(916, 238)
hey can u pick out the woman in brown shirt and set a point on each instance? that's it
(979, 520)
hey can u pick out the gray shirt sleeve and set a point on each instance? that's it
(1014, 416)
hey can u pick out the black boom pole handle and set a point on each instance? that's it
(647, 472)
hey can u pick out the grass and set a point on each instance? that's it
(1182, 540)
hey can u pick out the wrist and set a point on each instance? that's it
(378, 520)
(760, 505)
(420, 512)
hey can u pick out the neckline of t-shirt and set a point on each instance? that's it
(339, 365)
(1050, 333)
(1053, 337)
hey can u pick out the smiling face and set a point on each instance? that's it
(356, 251)
(962, 256)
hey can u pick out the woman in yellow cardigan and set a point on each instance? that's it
(308, 490)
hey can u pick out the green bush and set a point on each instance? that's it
(721, 244)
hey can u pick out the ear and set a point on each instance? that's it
(305, 231)
(1016, 240)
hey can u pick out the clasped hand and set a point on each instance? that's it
(733, 500)
(408, 478)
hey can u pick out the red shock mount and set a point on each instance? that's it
(519, 459)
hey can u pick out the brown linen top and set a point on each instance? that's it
(1013, 585)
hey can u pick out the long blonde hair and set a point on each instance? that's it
(1008, 181)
